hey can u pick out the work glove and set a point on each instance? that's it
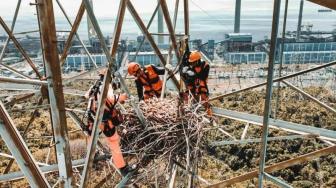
(190, 73)
(185, 69)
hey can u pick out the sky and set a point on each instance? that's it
(108, 8)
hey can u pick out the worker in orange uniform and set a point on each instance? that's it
(148, 82)
(111, 119)
(195, 74)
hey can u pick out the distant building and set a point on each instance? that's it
(238, 48)
(210, 51)
(132, 46)
(245, 57)
(81, 61)
(146, 58)
(32, 46)
(238, 42)
(96, 46)
(146, 46)
(3, 38)
(309, 52)
(196, 44)
(208, 48)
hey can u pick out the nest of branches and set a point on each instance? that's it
(168, 135)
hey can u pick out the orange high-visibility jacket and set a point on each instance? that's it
(150, 81)
(199, 85)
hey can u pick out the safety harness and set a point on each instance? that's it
(200, 85)
(151, 81)
(112, 117)
(193, 80)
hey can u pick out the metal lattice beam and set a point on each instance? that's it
(258, 140)
(2, 55)
(169, 57)
(330, 109)
(148, 26)
(289, 126)
(20, 98)
(275, 80)
(186, 17)
(327, 3)
(20, 151)
(73, 32)
(269, 89)
(105, 86)
(150, 39)
(55, 90)
(22, 81)
(171, 28)
(19, 47)
(282, 165)
(24, 134)
(45, 170)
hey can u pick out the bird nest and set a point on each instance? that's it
(167, 136)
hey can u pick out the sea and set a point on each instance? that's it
(204, 25)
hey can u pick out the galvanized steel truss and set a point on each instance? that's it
(50, 85)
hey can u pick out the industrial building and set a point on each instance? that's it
(238, 48)
(309, 52)
(79, 62)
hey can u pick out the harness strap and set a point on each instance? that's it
(149, 83)
(109, 104)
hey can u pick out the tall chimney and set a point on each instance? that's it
(298, 31)
(237, 17)
(160, 26)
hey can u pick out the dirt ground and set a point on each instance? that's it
(233, 160)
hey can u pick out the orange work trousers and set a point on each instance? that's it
(114, 145)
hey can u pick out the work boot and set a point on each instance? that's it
(127, 169)
(101, 157)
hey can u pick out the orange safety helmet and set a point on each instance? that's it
(132, 68)
(194, 56)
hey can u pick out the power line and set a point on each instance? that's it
(205, 12)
